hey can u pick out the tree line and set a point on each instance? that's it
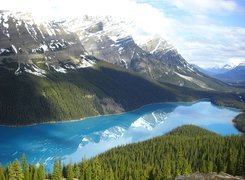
(183, 151)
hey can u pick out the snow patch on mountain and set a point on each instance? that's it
(18, 71)
(229, 66)
(157, 46)
(14, 49)
(195, 81)
(4, 20)
(33, 69)
(2, 51)
(85, 62)
(114, 28)
(58, 69)
(31, 31)
(41, 32)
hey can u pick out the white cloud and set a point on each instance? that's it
(236, 60)
(201, 39)
(147, 19)
(205, 6)
(74, 8)
(209, 45)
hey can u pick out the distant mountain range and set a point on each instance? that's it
(235, 74)
(215, 69)
(232, 74)
(88, 66)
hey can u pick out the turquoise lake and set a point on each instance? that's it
(71, 141)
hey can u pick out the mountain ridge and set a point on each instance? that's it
(104, 38)
(235, 74)
(231, 74)
(50, 73)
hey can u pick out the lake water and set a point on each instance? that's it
(71, 141)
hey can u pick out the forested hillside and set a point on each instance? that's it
(183, 151)
(240, 122)
(79, 93)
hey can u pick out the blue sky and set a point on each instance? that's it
(208, 32)
(205, 32)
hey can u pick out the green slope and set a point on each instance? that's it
(183, 151)
(27, 99)
(240, 122)
(103, 89)
(190, 131)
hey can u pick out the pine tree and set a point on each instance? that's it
(64, 171)
(210, 166)
(220, 163)
(70, 174)
(179, 163)
(25, 167)
(240, 168)
(76, 171)
(15, 171)
(2, 177)
(82, 177)
(166, 167)
(231, 162)
(41, 172)
(6, 172)
(159, 158)
(35, 175)
(111, 175)
(96, 170)
(186, 168)
(152, 175)
(57, 175)
(31, 173)
(88, 175)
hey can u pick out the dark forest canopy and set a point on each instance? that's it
(185, 150)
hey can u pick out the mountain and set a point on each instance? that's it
(23, 39)
(112, 40)
(212, 71)
(229, 73)
(78, 93)
(53, 71)
(235, 74)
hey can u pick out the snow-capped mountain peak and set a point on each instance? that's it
(229, 66)
(156, 44)
(70, 44)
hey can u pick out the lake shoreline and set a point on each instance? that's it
(92, 136)
(104, 115)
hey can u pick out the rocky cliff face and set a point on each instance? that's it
(59, 46)
(114, 41)
(29, 43)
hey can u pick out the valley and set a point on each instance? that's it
(95, 97)
(230, 74)
(59, 71)
(71, 141)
